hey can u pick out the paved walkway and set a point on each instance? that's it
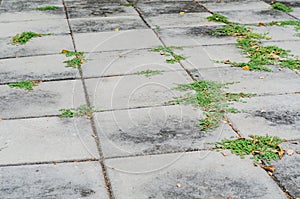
(138, 146)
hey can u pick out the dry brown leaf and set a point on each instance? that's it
(64, 51)
(262, 77)
(227, 61)
(116, 29)
(178, 185)
(229, 197)
(280, 152)
(290, 152)
(224, 154)
(261, 24)
(181, 13)
(268, 168)
(246, 68)
(274, 56)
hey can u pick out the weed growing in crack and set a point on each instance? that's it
(261, 148)
(77, 61)
(24, 37)
(260, 56)
(149, 73)
(209, 96)
(81, 111)
(27, 85)
(127, 4)
(281, 7)
(168, 52)
(218, 18)
(47, 8)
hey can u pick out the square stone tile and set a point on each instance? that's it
(155, 130)
(46, 139)
(256, 16)
(202, 57)
(46, 99)
(71, 180)
(153, 8)
(53, 26)
(94, 8)
(83, 25)
(259, 82)
(278, 33)
(178, 20)
(193, 36)
(224, 5)
(203, 174)
(125, 62)
(50, 67)
(52, 44)
(134, 91)
(273, 115)
(122, 40)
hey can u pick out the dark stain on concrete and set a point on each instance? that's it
(279, 117)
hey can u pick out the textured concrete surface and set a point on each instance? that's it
(140, 143)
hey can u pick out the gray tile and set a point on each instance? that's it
(46, 99)
(73, 180)
(122, 40)
(125, 62)
(106, 24)
(204, 174)
(46, 139)
(155, 130)
(273, 115)
(135, 90)
(37, 46)
(193, 36)
(50, 67)
(235, 5)
(53, 26)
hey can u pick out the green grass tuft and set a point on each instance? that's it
(168, 52)
(149, 73)
(209, 96)
(47, 8)
(281, 7)
(127, 4)
(24, 37)
(219, 18)
(81, 111)
(27, 85)
(77, 61)
(265, 148)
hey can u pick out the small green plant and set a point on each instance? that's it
(265, 148)
(77, 61)
(168, 52)
(219, 18)
(27, 85)
(83, 110)
(209, 96)
(149, 73)
(157, 27)
(47, 8)
(127, 4)
(24, 37)
(281, 7)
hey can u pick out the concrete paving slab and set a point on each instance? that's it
(154, 8)
(46, 99)
(277, 32)
(122, 40)
(125, 62)
(256, 16)
(135, 90)
(178, 20)
(82, 25)
(26, 5)
(46, 139)
(53, 26)
(190, 175)
(72, 180)
(277, 82)
(155, 130)
(94, 8)
(203, 57)
(273, 115)
(7, 16)
(52, 44)
(193, 36)
(214, 6)
(50, 67)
